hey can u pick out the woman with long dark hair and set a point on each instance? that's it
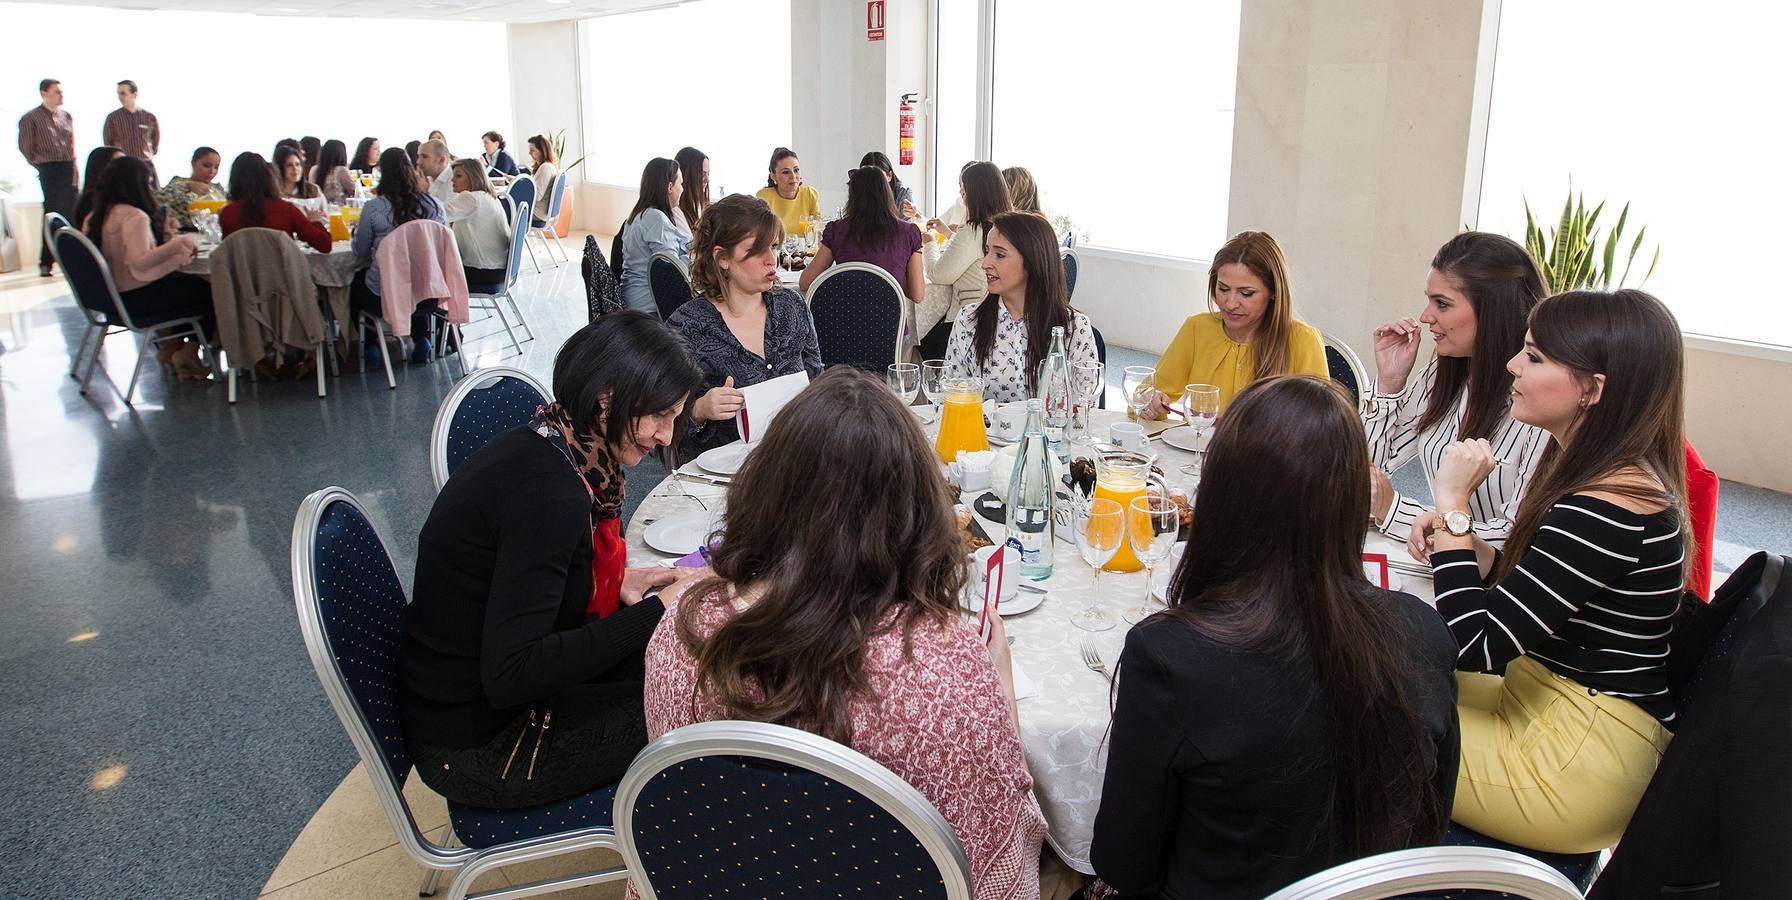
(786, 193)
(544, 169)
(650, 229)
(854, 633)
(695, 167)
(367, 156)
(871, 231)
(905, 195)
(143, 265)
(330, 173)
(1003, 339)
(312, 148)
(289, 175)
(954, 274)
(398, 198)
(255, 203)
(97, 160)
(526, 628)
(1283, 714)
(1566, 629)
(1481, 290)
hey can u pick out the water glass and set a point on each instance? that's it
(1138, 382)
(1201, 405)
(1086, 381)
(905, 380)
(1151, 528)
(1099, 529)
(933, 382)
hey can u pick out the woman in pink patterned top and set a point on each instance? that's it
(839, 527)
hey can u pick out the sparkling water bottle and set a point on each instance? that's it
(1054, 391)
(1030, 498)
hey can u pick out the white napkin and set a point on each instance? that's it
(1024, 687)
(762, 401)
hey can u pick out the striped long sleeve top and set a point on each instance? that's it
(1391, 421)
(1592, 599)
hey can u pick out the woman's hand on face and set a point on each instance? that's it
(1396, 349)
(1418, 541)
(637, 582)
(719, 402)
(1465, 465)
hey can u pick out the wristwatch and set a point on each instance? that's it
(1458, 522)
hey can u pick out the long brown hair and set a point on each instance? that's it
(1259, 252)
(1269, 572)
(656, 189)
(545, 147)
(1023, 191)
(797, 655)
(985, 193)
(1046, 304)
(1503, 285)
(1634, 341)
(695, 198)
(724, 225)
(871, 216)
(252, 187)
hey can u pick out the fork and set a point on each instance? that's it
(1092, 658)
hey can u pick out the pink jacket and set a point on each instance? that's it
(419, 261)
(130, 249)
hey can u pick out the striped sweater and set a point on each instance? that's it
(1592, 599)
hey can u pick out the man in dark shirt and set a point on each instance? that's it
(47, 141)
(133, 130)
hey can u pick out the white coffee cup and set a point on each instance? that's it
(1129, 435)
(1010, 574)
(1009, 421)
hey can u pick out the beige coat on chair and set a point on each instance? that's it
(264, 297)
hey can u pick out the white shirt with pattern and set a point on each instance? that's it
(1004, 373)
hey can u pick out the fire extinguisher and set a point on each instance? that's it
(905, 129)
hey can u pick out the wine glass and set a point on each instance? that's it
(1201, 406)
(1086, 382)
(905, 380)
(933, 382)
(1151, 528)
(1138, 383)
(1099, 530)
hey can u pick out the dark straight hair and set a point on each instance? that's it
(1502, 283)
(361, 151)
(696, 197)
(125, 183)
(252, 187)
(1047, 304)
(797, 656)
(985, 194)
(203, 152)
(410, 150)
(334, 155)
(1269, 573)
(882, 162)
(285, 142)
(778, 155)
(398, 187)
(620, 368)
(871, 217)
(281, 155)
(312, 148)
(656, 189)
(98, 159)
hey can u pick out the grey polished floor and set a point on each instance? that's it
(163, 732)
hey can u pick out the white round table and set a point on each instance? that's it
(1064, 709)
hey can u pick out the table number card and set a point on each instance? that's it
(1375, 565)
(993, 572)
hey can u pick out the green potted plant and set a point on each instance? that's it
(1573, 256)
(563, 222)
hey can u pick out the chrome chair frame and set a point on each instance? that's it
(548, 229)
(513, 266)
(906, 338)
(364, 318)
(1422, 869)
(438, 432)
(147, 336)
(322, 347)
(1355, 363)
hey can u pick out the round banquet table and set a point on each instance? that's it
(333, 271)
(1064, 709)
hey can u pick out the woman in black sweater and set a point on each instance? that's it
(1283, 715)
(520, 672)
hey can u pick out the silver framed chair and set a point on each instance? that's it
(1424, 869)
(263, 241)
(480, 405)
(862, 319)
(90, 279)
(364, 318)
(669, 282)
(54, 222)
(682, 810)
(491, 297)
(351, 609)
(1068, 253)
(1346, 368)
(522, 191)
(548, 228)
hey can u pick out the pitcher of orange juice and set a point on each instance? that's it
(1121, 475)
(961, 418)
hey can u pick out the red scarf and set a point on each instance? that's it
(603, 480)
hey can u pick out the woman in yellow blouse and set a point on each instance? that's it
(786, 193)
(1250, 334)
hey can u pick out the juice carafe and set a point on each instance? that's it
(961, 418)
(338, 227)
(1121, 475)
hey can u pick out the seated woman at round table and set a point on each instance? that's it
(398, 198)
(871, 231)
(1282, 715)
(144, 260)
(200, 184)
(97, 160)
(527, 628)
(330, 173)
(955, 277)
(835, 610)
(480, 226)
(652, 228)
(786, 193)
(289, 173)
(1250, 332)
(256, 203)
(1002, 339)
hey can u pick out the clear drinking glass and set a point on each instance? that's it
(905, 380)
(1086, 381)
(1099, 530)
(1151, 526)
(933, 380)
(1138, 382)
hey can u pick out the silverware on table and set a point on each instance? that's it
(1092, 658)
(702, 478)
(1028, 586)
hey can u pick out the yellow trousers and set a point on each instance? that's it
(1546, 764)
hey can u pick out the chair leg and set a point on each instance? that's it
(460, 350)
(555, 231)
(321, 390)
(93, 360)
(379, 334)
(135, 370)
(498, 307)
(531, 248)
(431, 881)
(528, 333)
(81, 351)
(230, 389)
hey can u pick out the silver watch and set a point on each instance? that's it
(1458, 522)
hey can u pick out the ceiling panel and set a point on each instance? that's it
(459, 10)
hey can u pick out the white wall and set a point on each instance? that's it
(544, 93)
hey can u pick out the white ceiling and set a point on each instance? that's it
(463, 10)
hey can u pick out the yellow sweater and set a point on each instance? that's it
(807, 203)
(1203, 354)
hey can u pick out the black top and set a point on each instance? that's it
(503, 579)
(789, 348)
(1218, 777)
(1592, 599)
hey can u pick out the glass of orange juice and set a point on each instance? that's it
(1122, 476)
(961, 419)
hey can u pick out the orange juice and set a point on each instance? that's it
(338, 227)
(961, 424)
(194, 206)
(1122, 487)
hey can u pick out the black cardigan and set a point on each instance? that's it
(503, 577)
(1217, 778)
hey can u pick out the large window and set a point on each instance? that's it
(715, 76)
(1123, 113)
(1678, 115)
(954, 96)
(214, 80)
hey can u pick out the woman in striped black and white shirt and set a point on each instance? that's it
(1481, 289)
(1578, 609)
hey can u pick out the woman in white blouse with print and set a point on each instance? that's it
(1479, 295)
(954, 277)
(1002, 339)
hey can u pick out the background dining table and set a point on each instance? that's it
(1064, 704)
(333, 271)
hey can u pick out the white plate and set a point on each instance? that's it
(723, 460)
(1182, 437)
(681, 534)
(997, 441)
(1022, 601)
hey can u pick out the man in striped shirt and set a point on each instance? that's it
(47, 141)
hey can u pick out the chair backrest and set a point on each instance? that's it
(1342, 364)
(601, 292)
(481, 405)
(689, 800)
(89, 277)
(857, 308)
(616, 256)
(1070, 267)
(351, 609)
(522, 190)
(519, 232)
(1433, 869)
(1101, 356)
(54, 222)
(670, 285)
(556, 194)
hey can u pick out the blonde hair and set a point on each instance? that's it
(475, 172)
(1259, 252)
(725, 224)
(1023, 191)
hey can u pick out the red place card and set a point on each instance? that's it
(1375, 565)
(993, 571)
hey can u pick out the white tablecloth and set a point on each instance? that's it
(1064, 724)
(336, 268)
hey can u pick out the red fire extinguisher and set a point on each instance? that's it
(905, 129)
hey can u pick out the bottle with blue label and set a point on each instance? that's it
(1030, 497)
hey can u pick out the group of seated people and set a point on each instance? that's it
(1281, 715)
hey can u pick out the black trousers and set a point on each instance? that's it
(58, 181)
(173, 297)
(592, 733)
(484, 276)
(361, 298)
(933, 344)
